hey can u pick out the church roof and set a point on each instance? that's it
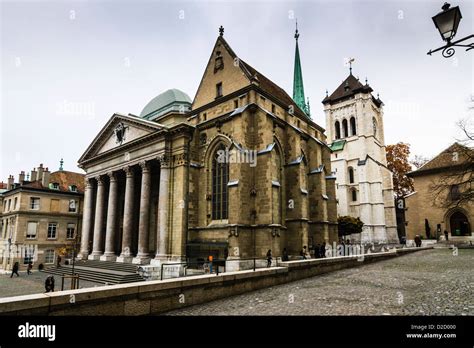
(349, 87)
(457, 155)
(165, 102)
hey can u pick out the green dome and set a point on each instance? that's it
(171, 100)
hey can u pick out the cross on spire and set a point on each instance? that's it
(297, 35)
(221, 31)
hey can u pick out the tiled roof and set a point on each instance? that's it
(64, 178)
(347, 88)
(454, 155)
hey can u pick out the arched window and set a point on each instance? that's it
(345, 128)
(351, 175)
(338, 130)
(220, 178)
(354, 195)
(353, 126)
(454, 193)
(374, 125)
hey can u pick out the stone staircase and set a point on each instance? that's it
(105, 272)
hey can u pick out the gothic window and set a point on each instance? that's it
(220, 178)
(454, 193)
(353, 126)
(374, 125)
(354, 195)
(338, 130)
(351, 175)
(345, 128)
(219, 90)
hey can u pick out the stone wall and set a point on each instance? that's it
(155, 297)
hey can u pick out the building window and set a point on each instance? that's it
(351, 175)
(9, 205)
(236, 103)
(73, 188)
(353, 126)
(34, 203)
(71, 228)
(49, 256)
(52, 229)
(454, 193)
(273, 109)
(220, 178)
(219, 90)
(29, 253)
(354, 195)
(345, 128)
(72, 206)
(374, 126)
(298, 123)
(31, 230)
(337, 127)
(54, 186)
(15, 205)
(204, 116)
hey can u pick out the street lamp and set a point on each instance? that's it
(447, 22)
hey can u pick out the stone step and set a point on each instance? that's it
(97, 275)
(119, 266)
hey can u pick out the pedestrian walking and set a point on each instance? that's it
(446, 235)
(285, 256)
(15, 269)
(322, 251)
(29, 268)
(49, 284)
(269, 258)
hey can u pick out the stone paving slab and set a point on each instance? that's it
(430, 282)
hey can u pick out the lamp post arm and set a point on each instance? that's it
(448, 48)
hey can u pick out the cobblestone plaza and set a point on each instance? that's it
(432, 282)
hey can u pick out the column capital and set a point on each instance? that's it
(112, 176)
(87, 183)
(164, 160)
(128, 171)
(99, 180)
(145, 166)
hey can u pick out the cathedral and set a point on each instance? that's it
(364, 185)
(238, 170)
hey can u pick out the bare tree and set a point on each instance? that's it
(455, 186)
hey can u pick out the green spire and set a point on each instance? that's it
(298, 88)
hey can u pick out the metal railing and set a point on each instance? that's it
(213, 266)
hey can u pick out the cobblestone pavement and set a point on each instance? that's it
(431, 282)
(33, 284)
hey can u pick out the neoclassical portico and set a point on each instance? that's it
(128, 200)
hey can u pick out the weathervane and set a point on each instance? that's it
(350, 61)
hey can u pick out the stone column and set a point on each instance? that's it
(87, 221)
(98, 221)
(126, 254)
(143, 256)
(111, 230)
(162, 233)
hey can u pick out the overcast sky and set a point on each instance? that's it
(67, 66)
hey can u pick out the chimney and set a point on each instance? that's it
(21, 177)
(10, 182)
(45, 178)
(40, 172)
(34, 174)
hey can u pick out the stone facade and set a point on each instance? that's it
(274, 191)
(439, 210)
(354, 121)
(39, 217)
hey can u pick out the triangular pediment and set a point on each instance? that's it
(119, 131)
(223, 67)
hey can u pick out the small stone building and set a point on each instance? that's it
(435, 202)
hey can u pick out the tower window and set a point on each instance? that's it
(236, 103)
(374, 126)
(273, 109)
(219, 90)
(354, 195)
(345, 128)
(351, 175)
(337, 128)
(353, 126)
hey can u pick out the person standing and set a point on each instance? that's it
(49, 284)
(269, 258)
(29, 268)
(285, 256)
(303, 253)
(15, 269)
(58, 261)
(322, 251)
(446, 235)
